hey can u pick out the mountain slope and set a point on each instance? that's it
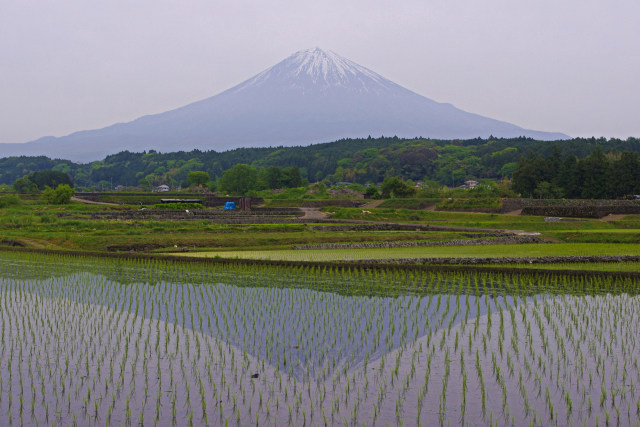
(312, 96)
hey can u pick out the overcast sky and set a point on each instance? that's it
(570, 66)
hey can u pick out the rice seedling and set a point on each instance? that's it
(99, 341)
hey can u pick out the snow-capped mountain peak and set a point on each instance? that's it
(328, 65)
(319, 69)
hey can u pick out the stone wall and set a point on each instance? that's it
(574, 208)
(339, 203)
(208, 200)
(509, 240)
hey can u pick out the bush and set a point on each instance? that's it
(356, 187)
(24, 185)
(397, 188)
(60, 196)
(372, 192)
(27, 220)
(290, 193)
(49, 178)
(48, 219)
(408, 203)
(469, 204)
(9, 200)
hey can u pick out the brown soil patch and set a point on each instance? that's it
(613, 217)
(89, 202)
(33, 243)
(313, 213)
(372, 204)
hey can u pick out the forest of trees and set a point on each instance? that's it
(38, 181)
(596, 176)
(539, 168)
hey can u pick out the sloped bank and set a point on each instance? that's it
(573, 208)
(507, 260)
(400, 265)
(470, 242)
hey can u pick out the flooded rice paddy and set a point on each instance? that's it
(106, 342)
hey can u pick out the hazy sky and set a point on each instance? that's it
(571, 66)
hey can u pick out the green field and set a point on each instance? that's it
(630, 266)
(479, 220)
(124, 228)
(522, 250)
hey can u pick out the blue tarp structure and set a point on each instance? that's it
(229, 205)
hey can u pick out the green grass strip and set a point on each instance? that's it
(521, 250)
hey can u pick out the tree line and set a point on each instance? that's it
(364, 160)
(597, 176)
(243, 178)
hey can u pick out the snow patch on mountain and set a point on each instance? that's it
(319, 69)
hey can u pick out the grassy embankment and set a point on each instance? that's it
(580, 237)
(484, 251)
(33, 223)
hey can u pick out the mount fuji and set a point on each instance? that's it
(310, 97)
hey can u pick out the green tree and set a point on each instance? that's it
(372, 192)
(507, 169)
(595, 174)
(60, 196)
(397, 188)
(546, 190)
(153, 179)
(528, 174)
(292, 177)
(25, 185)
(568, 178)
(198, 178)
(49, 178)
(626, 175)
(144, 183)
(338, 175)
(271, 177)
(240, 179)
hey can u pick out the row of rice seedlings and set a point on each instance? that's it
(152, 341)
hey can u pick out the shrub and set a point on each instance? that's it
(9, 200)
(372, 192)
(49, 178)
(24, 185)
(27, 220)
(48, 219)
(397, 188)
(60, 196)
